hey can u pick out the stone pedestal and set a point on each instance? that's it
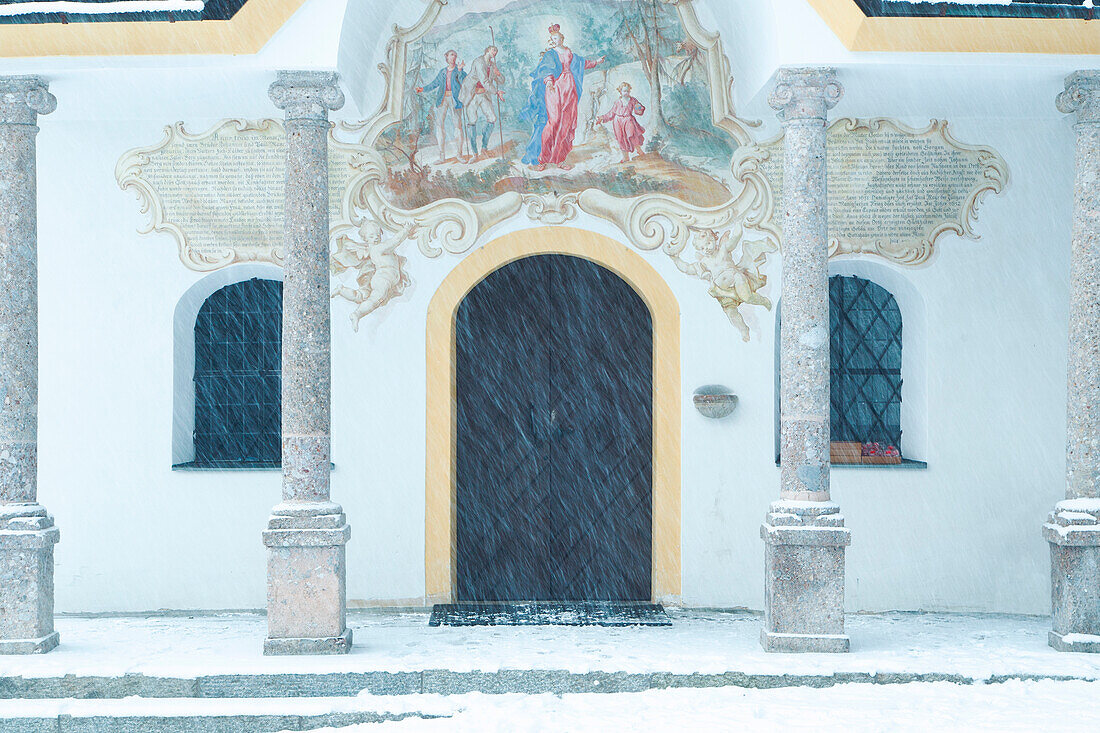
(306, 570)
(307, 533)
(27, 534)
(27, 537)
(804, 535)
(804, 577)
(1073, 531)
(1073, 528)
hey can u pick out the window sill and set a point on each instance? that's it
(204, 467)
(906, 464)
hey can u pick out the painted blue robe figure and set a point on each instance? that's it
(556, 85)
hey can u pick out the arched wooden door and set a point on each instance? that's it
(554, 360)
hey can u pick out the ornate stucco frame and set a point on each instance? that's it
(130, 175)
(914, 252)
(649, 221)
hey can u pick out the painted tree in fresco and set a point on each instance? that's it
(649, 37)
(422, 64)
(402, 141)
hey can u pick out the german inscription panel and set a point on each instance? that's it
(894, 190)
(220, 193)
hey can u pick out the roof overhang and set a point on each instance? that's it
(245, 33)
(948, 34)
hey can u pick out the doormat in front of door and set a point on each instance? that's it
(585, 613)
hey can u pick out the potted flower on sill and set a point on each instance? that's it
(879, 453)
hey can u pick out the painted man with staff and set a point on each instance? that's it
(477, 94)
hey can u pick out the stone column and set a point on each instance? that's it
(804, 533)
(307, 533)
(27, 534)
(1073, 528)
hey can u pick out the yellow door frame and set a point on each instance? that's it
(439, 515)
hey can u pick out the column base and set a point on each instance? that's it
(804, 577)
(802, 643)
(306, 580)
(27, 539)
(1089, 643)
(40, 645)
(328, 645)
(1073, 532)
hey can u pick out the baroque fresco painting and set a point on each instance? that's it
(617, 109)
(556, 96)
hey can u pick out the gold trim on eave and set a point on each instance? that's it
(439, 514)
(957, 34)
(245, 33)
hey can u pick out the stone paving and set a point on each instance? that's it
(207, 673)
(398, 653)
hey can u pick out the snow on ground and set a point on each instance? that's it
(920, 706)
(136, 707)
(972, 645)
(1046, 705)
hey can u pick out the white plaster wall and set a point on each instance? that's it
(961, 535)
(964, 533)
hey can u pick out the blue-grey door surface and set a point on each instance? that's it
(554, 360)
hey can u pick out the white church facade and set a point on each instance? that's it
(789, 306)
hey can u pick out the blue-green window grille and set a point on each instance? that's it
(865, 362)
(238, 374)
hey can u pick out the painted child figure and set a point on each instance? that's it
(628, 132)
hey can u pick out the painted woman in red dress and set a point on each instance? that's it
(555, 92)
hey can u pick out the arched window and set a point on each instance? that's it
(865, 368)
(237, 379)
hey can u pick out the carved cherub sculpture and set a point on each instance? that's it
(732, 283)
(381, 275)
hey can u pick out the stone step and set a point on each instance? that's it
(448, 682)
(158, 715)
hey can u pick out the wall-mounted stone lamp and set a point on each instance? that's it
(714, 401)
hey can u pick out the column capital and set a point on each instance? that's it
(805, 93)
(1081, 96)
(23, 98)
(307, 94)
